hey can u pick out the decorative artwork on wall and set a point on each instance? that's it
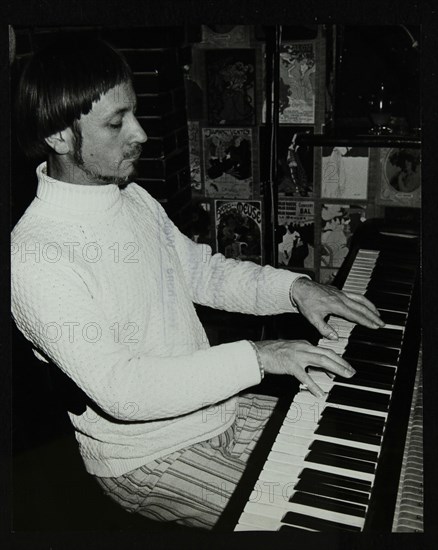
(344, 172)
(400, 177)
(228, 162)
(326, 275)
(297, 229)
(202, 222)
(338, 224)
(294, 164)
(297, 83)
(231, 87)
(239, 229)
(195, 155)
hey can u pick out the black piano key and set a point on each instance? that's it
(332, 491)
(340, 462)
(370, 353)
(397, 259)
(377, 342)
(364, 382)
(340, 431)
(343, 450)
(328, 504)
(373, 423)
(394, 302)
(318, 524)
(372, 371)
(367, 376)
(335, 427)
(358, 398)
(397, 262)
(380, 274)
(339, 480)
(393, 317)
(389, 286)
(387, 337)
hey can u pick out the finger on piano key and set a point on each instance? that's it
(329, 434)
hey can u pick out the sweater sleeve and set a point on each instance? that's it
(55, 310)
(228, 284)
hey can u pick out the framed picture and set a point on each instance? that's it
(297, 83)
(338, 224)
(195, 155)
(239, 229)
(228, 162)
(326, 275)
(400, 177)
(344, 172)
(230, 77)
(203, 222)
(296, 226)
(294, 164)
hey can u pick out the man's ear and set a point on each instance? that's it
(61, 142)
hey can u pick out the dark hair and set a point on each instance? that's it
(60, 83)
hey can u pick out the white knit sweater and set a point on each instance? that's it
(103, 285)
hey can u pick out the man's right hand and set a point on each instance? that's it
(294, 356)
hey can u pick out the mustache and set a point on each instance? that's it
(134, 152)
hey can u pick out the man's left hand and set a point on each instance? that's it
(316, 301)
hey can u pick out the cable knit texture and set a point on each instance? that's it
(103, 285)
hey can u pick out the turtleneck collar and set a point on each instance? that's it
(76, 199)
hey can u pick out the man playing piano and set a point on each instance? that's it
(103, 286)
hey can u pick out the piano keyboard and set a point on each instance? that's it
(320, 471)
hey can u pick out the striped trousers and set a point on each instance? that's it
(192, 486)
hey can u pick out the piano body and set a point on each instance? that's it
(337, 463)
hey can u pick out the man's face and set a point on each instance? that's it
(107, 140)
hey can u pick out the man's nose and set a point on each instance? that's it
(138, 134)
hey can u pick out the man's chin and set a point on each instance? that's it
(119, 179)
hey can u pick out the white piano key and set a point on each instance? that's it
(287, 439)
(245, 527)
(291, 450)
(279, 500)
(278, 510)
(289, 464)
(307, 397)
(260, 522)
